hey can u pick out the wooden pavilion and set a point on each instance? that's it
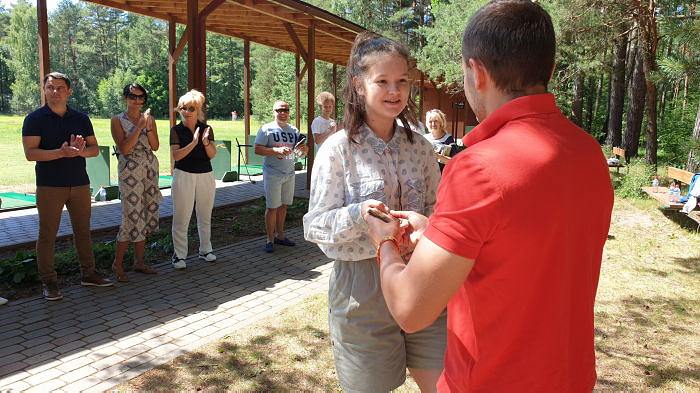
(290, 25)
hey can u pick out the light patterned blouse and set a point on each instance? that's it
(401, 174)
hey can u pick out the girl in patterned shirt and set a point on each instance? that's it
(374, 162)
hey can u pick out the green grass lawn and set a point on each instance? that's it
(17, 174)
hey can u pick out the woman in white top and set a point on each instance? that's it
(372, 163)
(323, 126)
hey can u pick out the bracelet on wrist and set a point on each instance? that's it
(381, 243)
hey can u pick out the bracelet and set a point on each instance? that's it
(381, 242)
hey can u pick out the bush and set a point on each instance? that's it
(21, 269)
(639, 174)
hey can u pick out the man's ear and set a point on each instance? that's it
(480, 75)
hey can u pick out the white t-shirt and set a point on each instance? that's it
(321, 125)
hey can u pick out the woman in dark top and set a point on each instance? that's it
(438, 137)
(192, 147)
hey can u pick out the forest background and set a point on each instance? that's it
(628, 71)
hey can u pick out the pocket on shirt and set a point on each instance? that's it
(367, 189)
(414, 196)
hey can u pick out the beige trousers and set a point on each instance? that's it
(192, 190)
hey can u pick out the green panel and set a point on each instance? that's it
(13, 200)
(22, 197)
(253, 159)
(221, 163)
(165, 181)
(98, 169)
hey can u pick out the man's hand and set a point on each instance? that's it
(68, 151)
(377, 228)
(413, 224)
(282, 151)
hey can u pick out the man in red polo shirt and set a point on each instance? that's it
(514, 246)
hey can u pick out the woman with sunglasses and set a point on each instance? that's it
(192, 147)
(136, 137)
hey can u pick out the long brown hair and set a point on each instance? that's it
(365, 46)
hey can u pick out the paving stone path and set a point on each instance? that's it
(97, 338)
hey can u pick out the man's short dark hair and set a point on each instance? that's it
(57, 75)
(514, 39)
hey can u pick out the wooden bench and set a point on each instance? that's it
(619, 153)
(661, 194)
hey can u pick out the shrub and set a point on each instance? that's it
(629, 185)
(21, 269)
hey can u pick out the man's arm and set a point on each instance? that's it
(279, 151)
(416, 293)
(91, 149)
(33, 152)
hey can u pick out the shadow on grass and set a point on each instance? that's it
(272, 361)
(689, 265)
(645, 336)
(681, 219)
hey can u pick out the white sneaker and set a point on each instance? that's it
(179, 264)
(209, 257)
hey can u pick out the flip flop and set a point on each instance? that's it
(144, 269)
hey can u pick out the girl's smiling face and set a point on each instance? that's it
(385, 86)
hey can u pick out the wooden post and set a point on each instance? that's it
(192, 45)
(43, 36)
(311, 81)
(422, 97)
(172, 80)
(297, 92)
(202, 55)
(335, 92)
(172, 71)
(246, 95)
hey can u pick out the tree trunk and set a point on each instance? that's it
(617, 92)
(635, 111)
(590, 100)
(649, 43)
(693, 164)
(577, 104)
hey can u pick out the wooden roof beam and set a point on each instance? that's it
(300, 47)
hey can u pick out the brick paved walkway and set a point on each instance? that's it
(96, 338)
(22, 226)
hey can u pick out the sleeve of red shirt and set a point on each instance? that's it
(468, 208)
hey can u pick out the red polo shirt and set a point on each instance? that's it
(530, 201)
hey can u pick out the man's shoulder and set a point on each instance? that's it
(38, 113)
(268, 127)
(78, 114)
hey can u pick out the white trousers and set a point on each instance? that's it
(188, 190)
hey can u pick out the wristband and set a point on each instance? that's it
(381, 242)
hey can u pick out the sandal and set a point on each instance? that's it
(144, 269)
(119, 274)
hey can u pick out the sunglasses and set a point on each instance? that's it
(188, 109)
(133, 96)
(282, 110)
